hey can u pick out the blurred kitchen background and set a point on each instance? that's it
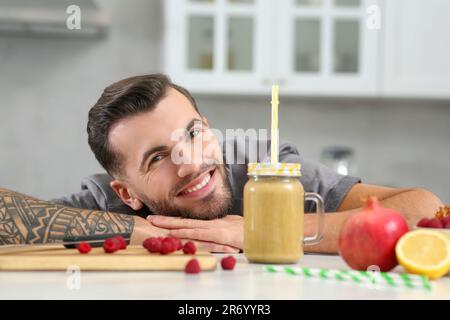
(366, 81)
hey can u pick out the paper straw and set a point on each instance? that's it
(274, 131)
(371, 278)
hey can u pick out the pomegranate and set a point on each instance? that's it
(368, 238)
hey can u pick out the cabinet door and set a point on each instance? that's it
(416, 56)
(216, 46)
(326, 47)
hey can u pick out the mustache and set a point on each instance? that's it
(180, 185)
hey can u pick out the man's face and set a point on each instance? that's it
(193, 184)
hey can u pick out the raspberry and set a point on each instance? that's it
(162, 245)
(189, 248)
(168, 246)
(84, 247)
(178, 243)
(447, 226)
(145, 243)
(122, 242)
(175, 241)
(111, 245)
(152, 244)
(192, 266)
(423, 223)
(445, 220)
(228, 263)
(435, 223)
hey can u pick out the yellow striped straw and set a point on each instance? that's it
(274, 142)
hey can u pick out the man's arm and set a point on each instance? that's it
(25, 220)
(413, 204)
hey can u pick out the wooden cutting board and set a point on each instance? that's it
(59, 258)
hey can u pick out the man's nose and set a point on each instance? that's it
(187, 169)
(191, 161)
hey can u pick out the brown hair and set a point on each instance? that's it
(120, 100)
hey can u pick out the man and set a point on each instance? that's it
(131, 132)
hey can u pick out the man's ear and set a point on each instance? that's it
(205, 120)
(124, 194)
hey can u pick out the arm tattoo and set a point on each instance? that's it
(27, 220)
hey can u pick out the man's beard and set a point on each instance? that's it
(215, 205)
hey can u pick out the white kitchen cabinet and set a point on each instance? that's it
(327, 48)
(309, 47)
(416, 50)
(216, 46)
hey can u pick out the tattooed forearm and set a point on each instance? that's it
(27, 220)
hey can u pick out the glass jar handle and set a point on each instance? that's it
(309, 196)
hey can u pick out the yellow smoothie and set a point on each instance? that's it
(273, 219)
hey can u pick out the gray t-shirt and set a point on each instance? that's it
(96, 193)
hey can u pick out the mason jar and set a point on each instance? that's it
(274, 213)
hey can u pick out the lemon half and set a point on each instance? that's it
(424, 252)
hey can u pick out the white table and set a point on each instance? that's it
(247, 281)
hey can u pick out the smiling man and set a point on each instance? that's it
(134, 141)
(165, 164)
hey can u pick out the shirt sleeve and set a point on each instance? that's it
(83, 200)
(96, 194)
(318, 178)
(93, 194)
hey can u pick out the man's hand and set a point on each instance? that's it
(143, 230)
(228, 231)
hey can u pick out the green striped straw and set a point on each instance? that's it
(370, 278)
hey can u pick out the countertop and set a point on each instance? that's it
(246, 281)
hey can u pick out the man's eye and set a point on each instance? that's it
(156, 159)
